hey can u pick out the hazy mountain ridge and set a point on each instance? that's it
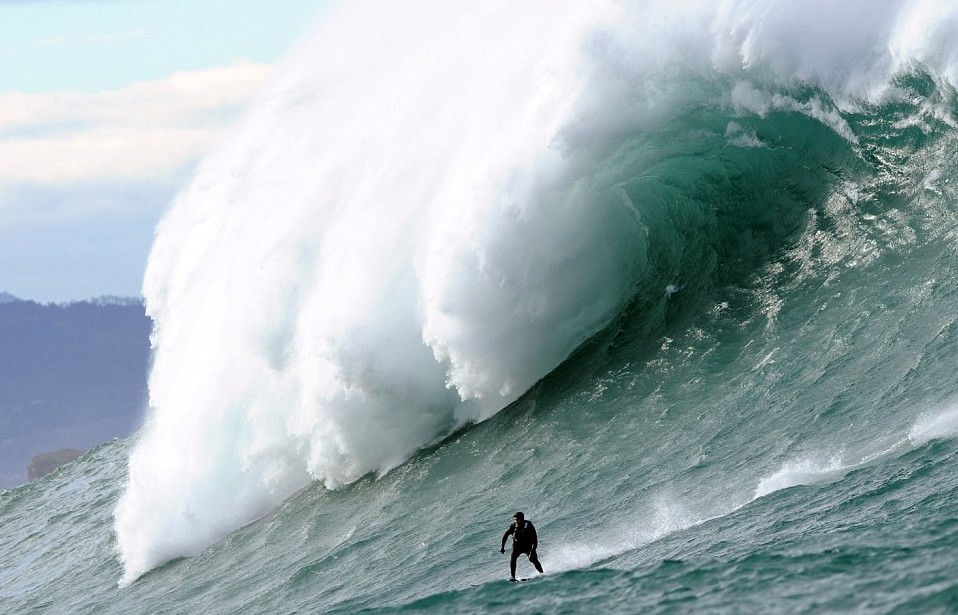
(71, 376)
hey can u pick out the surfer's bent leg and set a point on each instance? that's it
(512, 562)
(535, 561)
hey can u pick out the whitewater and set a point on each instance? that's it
(678, 280)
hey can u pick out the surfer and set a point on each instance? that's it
(524, 540)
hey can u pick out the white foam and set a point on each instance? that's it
(939, 424)
(824, 468)
(665, 516)
(802, 472)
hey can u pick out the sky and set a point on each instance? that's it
(106, 106)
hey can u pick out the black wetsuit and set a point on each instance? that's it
(524, 540)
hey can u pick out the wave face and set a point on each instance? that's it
(432, 207)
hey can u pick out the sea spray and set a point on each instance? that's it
(432, 206)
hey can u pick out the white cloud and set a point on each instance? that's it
(144, 131)
(101, 153)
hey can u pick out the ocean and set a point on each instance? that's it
(677, 280)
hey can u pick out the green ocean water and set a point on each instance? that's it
(768, 425)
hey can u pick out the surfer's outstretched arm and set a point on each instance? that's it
(512, 528)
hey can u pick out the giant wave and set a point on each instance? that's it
(432, 206)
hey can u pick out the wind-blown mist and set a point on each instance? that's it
(429, 209)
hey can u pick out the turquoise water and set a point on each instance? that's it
(766, 421)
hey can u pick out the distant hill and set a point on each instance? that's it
(44, 463)
(71, 376)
